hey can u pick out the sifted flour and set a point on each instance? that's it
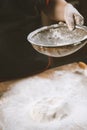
(58, 103)
(59, 36)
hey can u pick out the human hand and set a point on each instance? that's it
(72, 17)
(67, 13)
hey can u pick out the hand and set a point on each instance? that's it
(72, 17)
(64, 11)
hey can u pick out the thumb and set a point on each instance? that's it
(69, 17)
(70, 22)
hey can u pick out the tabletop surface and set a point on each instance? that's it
(4, 86)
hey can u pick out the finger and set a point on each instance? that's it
(79, 20)
(70, 22)
(69, 17)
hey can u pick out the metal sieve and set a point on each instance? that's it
(57, 40)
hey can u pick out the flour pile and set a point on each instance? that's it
(59, 36)
(58, 103)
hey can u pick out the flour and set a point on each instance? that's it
(59, 36)
(59, 103)
(49, 109)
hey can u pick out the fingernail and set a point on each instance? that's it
(71, 28)
(82, 22)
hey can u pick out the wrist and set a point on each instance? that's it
(61, 3)
(59, 9)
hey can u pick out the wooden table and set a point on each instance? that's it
(5, 86)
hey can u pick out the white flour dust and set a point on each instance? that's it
(59, 103)
(59, 36)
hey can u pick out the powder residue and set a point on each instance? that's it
(59, 103)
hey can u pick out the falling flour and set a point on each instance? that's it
(59, 36)
(58, 103)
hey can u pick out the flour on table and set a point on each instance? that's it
(58, 103)
(49, 109)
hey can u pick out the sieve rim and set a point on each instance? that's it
(32, 34)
